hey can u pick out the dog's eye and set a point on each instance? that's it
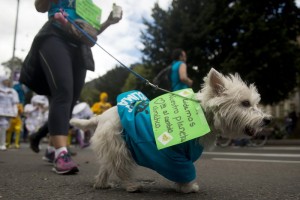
(246, 103)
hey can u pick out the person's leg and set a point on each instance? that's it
(9, 133)
(79, 74)
(36, 137)
(18, 129)
(2, 138)
(80, 138)
(24, 132)
(50, 152)
(57, 60)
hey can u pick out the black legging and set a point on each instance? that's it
(65, 75)
(42, 132)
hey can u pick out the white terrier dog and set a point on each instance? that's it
(230, 107)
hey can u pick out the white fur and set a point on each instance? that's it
(224, 100)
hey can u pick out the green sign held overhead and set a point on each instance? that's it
(176, 118)
(89, 12)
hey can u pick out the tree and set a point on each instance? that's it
(135, 83)
(13, 66)
(183, 25)
(263, 45)
(254, 38)
(111, 82)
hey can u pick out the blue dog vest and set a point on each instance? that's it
(174, 163)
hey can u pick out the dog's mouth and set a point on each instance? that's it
(249, 131)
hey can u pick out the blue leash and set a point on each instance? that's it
(95, 42)
(92, 40)
(147, 82)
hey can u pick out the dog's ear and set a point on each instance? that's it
(216, 82)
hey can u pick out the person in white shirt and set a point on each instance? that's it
(9, 100)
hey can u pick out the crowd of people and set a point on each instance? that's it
(28, 121)
(9, 101)
(20, 121)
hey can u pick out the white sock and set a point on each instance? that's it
(50, 149)
(59, 150)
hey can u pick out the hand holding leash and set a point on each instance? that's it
(61, 17)
(74, 32)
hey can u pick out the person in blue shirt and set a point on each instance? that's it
(56, 66)
(179, 76)
(21, 90)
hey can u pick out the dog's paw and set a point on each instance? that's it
(133, 188)
(188, 188)
(195, 187)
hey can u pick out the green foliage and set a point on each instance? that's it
(111, 82)
(12, 67)
(134, 83)
(13, 64)
(89, 95)
(255, 38)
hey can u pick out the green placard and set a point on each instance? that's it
(176, 119)
(89, 12)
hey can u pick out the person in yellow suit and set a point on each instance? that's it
(15, 127)
(101, 106)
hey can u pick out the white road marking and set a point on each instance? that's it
(254, 154)
(278, 148)
(256, 160)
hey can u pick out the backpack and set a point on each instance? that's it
(163, 78)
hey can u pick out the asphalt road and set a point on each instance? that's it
(271, 172)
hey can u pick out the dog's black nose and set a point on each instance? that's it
(266, 121)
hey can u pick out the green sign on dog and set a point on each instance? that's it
(176, 118)
(89, 12)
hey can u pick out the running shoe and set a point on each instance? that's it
(2, 147)
(64, 164)
(49, 156)
(34, 142)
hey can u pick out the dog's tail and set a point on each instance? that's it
(95, 121)
(85, 123)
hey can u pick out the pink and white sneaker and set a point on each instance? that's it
(64, 164)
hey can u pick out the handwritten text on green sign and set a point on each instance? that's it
(89, 12)
(176, 118)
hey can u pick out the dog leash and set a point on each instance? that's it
(144, 80)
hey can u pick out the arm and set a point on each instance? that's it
(110, 20)
(95, 108)
(183, 75)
